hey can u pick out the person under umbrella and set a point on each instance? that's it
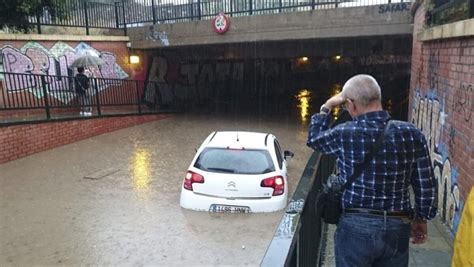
(82, 85)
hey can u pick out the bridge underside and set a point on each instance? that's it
(272, 76)
(376, 20)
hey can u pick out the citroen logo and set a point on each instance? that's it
(231, 184)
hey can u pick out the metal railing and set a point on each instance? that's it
(131, 13)
(79, 13)
(33, 97)
(297, 240)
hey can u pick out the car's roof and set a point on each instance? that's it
(239, 139)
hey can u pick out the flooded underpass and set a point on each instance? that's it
(114, 199)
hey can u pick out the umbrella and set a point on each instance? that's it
(87, 61)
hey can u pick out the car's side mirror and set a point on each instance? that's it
(288, 154)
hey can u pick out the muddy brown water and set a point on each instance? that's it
(51, 215)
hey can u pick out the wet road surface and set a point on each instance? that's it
(127, 212)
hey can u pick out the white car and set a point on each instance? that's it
(237, 172)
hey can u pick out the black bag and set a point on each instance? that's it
(329, 200)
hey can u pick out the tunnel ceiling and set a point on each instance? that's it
(364, 46)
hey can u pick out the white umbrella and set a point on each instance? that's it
(87, 61)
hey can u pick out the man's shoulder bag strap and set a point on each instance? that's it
(359, 168)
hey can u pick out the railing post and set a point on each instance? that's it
(38, 22)
(199, 9)
(45, 97)
(471, 9)
(124, 20)
(86, 17)
(153, 11)
(97, 98)
(250, 7)
(313, 3)
(192, 10)
(280, 5)
(117, 23)
(138, 99)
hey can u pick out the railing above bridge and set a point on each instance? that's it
(133, 13)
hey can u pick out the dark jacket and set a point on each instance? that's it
(81, 83)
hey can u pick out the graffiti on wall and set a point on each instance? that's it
(198, 81)
(393, 8)
(429, 114)
(157, 36)
(463, 101)
(34, 58)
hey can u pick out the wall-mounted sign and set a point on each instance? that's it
(221, 23)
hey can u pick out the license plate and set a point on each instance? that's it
(229, 209)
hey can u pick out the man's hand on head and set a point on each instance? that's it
(334, 101)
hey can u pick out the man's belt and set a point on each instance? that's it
(397, 214)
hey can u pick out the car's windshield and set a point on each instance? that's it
(238, 161)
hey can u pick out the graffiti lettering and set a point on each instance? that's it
(33, 58)
(155, 35)
(463, 102)
(428, 115)
(392, 8)
(433, 70)
(384, 60)
(192, 81)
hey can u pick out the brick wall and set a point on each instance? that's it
(442, 101)
(23, 140)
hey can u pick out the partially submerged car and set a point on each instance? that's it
(237, 172)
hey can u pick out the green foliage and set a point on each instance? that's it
(447, 11)
(14, 14)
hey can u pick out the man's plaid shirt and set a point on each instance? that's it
(402, 160)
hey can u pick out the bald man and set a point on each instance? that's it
(377, 219)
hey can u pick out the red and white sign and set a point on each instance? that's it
(221, 23)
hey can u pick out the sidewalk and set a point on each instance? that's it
(436, 252)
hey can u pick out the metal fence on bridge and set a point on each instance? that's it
(132, 13)
(33, 97)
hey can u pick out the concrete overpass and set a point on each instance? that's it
(345, 22)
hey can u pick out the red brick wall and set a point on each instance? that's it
(23, 140)
(442, 101)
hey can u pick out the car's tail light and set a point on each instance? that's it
(191, 178)
(276, 182)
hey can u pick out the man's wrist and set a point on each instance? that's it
(324, 110)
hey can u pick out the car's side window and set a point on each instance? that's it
(278, 154)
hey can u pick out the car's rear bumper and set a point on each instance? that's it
(190, 200)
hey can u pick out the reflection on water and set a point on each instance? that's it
(141, 169)
(304, 98)
(336, 89)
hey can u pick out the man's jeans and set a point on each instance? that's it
(367, 240)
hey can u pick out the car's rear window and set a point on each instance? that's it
(239, 161)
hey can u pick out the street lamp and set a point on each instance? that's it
(134, 59)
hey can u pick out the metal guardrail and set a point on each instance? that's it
(131, 13)
(33, 97)
(297, 240)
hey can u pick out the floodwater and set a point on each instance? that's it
(51, 215)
